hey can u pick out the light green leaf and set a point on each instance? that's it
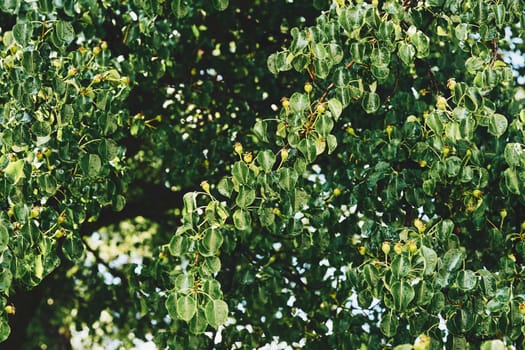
(400, 266)
(324, 125)
(331, 141)
(308, 149)
(513, 153)
(388, 325)
(5, 330)
(245, 197)
(287, 178)
(299, 102)
(241, 172)
(267, 159)
(178, 245)
(73, 248)
(370, 102)
(4, 236)
(64, 32)
(184, 283)
(453, 259)
(171, 305)
(220, 5)
(466, 280)
(91, 165)
(198, 323)
(242, 220)
(212, 240)
(493, 345)
(15, 171)
(216, 312)
(22, 33)
(186, 307)
(406, 52)
(335, 107)
(497, 124)
(402, 293)
(180, 8)
(511, 180)
(225, 187)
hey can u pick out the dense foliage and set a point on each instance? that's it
(225, 174)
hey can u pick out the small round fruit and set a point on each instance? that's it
(308, 88)
(451, 84)
(398, 248)
(362, 250)
(385, 247)
(441, 103)
(337, 192)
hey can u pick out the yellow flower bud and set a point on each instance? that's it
(385, 247)
(205, 186)
(308, 87)
(238, 148)
(248, 157)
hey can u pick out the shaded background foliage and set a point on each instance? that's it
(413, 177)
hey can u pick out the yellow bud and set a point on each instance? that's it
(72, 71)
(375, 3)
(398, 248)
(521, 308)
(61, 218)
(441, 103)
(337, 192)
(97, 78)
(308, 87)
(321, 108)
(238, 148)
(284, 154)
(248, 157)
(285, 103)
(451, 83)
(503, 214)
(420, 225)
(350, 131)
(512, 257)
(446, 151)
(389, 129)
(205, 186)
(362, 250)
(477, 193)
(96, 50)
(422, 163)
(412, 246)
(104, 45)
(10, 309)
(276, 211)
(385, 247)
(423, 342)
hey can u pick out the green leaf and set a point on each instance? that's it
(406, 52)
(389, 324)
(241, 172)
(64, 33)
(422, 43)
(370, 102)
(15, 171)
(22, 33)
(433, 121)
(118, 202)
(108, 150)
(308, 148)
(513, 153)
(225, 187)
(171, 305)
(184, 283)
(178, 245)
(402, 293)
(267, 159)
(259, 129)
(180, 8)
(335, 107)
(4, 236)
(245, 197)
(404, 347)
(466, 280)
(511, 181)
(216, 312)
(91, 165)
(453, 259)
(287, 178)
(400, 266)
(5, 330)
(212, 240)
(324, 125)
(497, 124)
(493, 345)
(331, 141)
(220, 5)
(198, 323)
(186, 307)
(73, 248)
(299, 102)
(242, 220)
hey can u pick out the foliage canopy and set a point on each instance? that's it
(362, 168)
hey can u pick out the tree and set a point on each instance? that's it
(361, 169)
